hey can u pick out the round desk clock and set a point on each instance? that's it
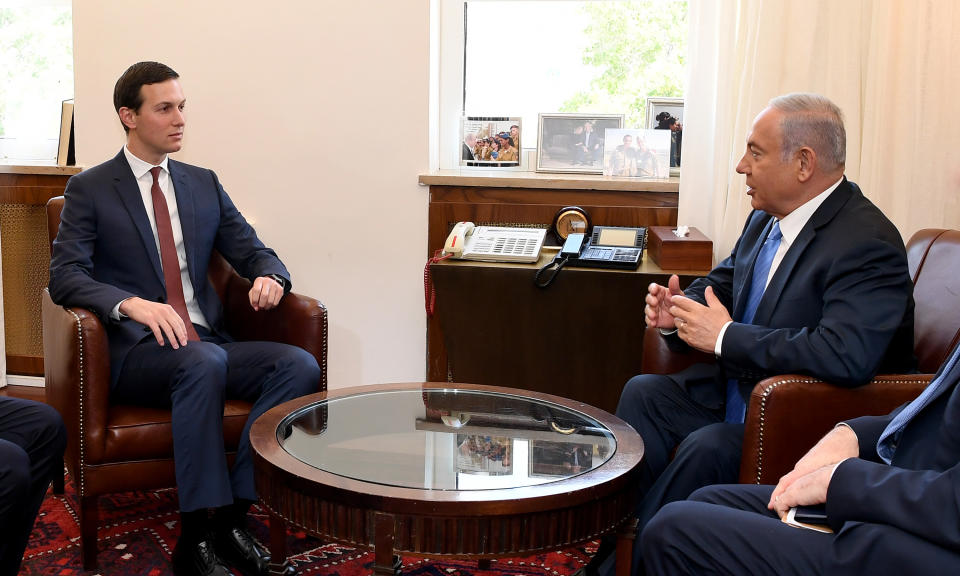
(570, 220)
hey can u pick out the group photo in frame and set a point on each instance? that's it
(636, 153)
(490, 141)
(573, 142)
(667, 114)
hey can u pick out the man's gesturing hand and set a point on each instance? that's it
(659, 299)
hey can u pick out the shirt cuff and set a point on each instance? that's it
(116, 314)
(719, 345)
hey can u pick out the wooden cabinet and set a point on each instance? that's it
(524, 199)
(581, 337)
(25, 247)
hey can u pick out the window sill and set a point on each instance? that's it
(517, 179)
(40, 168)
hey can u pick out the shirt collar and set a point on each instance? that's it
(793, 223)
(139, 167)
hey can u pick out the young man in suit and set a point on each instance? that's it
(816, 284)
(32, 440)
(891, 489)
(135, 240)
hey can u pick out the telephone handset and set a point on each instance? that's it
(457, 239)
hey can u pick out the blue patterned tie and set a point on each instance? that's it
(887, 444)
(736, 408)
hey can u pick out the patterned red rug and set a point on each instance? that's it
(139, 529)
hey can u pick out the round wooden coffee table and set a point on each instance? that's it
(446, 470)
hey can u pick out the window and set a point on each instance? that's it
(526, 57)
(36, 75)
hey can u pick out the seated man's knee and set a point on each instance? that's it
(14, 472)
(53, 427)
(641, 389)
(713, 441)
(206, 364)
(709, 494)
(667, 525)
(304, 370)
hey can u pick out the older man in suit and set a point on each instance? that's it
(817, 284)
(135, 241)
(891, 489)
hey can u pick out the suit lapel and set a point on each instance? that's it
(821, 217)
(129, 192)
(187, 212)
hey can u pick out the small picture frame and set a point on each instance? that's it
(573, 142)
(636, 153)
(490, 141)
(559, 459)
(667, 114)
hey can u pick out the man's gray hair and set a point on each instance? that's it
(812, 120)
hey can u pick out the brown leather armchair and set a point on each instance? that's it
(116, 448)
(787, 414)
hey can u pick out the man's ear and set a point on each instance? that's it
(808, 163)
(128, 116)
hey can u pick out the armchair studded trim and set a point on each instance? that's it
(788, 414)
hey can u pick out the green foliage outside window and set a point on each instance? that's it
(36, 72)
(639, 50)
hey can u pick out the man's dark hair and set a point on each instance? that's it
(126, 93)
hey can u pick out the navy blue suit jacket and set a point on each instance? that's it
(106, 251)
(839, 306)
(920, 492)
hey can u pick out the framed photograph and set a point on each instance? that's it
(490, 141)
(573, 142)
(559, 458)
(636, 153)
(667, 114)
(479, 454)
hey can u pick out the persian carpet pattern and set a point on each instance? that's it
(138, 531)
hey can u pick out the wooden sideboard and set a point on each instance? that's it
(25, 247)
(525, 199)
(581, 337)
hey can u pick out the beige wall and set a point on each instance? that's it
(311, 113)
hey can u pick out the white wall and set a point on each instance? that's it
(314, 114)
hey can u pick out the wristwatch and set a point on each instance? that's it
(280, 280)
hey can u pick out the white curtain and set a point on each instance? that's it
(891, 66)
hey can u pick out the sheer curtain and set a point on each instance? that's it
(889, 64)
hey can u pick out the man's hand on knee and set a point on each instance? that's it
(161, 319)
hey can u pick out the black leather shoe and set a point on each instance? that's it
(242, 551)
(197, 560)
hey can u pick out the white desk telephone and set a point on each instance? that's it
(494, 243)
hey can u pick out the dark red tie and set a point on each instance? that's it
(168, 255)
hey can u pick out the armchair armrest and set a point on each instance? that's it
(789, 413)
(659, 358)
(298, 320)
(75, 348)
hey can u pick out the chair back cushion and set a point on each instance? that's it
(934, 260)
(54, 208)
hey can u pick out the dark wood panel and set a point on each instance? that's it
(33, 195)
(580, 338)
(538, 206)
(11, 179)
(26, 259)
(26, 365)
(479, 195)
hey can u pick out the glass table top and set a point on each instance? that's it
(446, 439)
